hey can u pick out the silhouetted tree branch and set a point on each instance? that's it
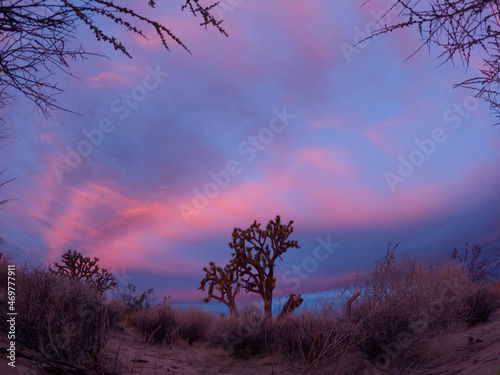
(2, 184)
(460, 28)
(74, 264)
(38, 37)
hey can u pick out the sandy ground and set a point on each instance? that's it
(454, 354)
(141, 358)
(448, 354)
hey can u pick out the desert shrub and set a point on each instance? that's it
(383, 311)
(116, 312)
(403, 300)
(439, 293)
(480, 304)
(134, 301)
(404, 303)
(480, 267)
(194, 324)
(382, 329)
(58, 317)
(156, 324)
(309, 336)
(245, 335)
(496, 287)
(460, 297)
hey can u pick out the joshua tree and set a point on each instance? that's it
(252, 265)
(255, 254)
(225, 282)
(76, 265)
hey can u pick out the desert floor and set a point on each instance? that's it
(127, 354)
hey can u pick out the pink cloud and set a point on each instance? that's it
(238, 203)
(107, 80)
(330, 161)
(382, 135)
(346, 203)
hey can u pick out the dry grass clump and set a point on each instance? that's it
(59, 318)
(116, 311)
(480, 304)
(157, 324)
(245, 335)
(313, 338)
(163, 324)
(194, 324)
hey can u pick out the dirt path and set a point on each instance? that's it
(129, 356)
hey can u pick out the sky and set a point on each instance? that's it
(359, 146)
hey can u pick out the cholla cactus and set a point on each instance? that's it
(76, 265)
(225, 282)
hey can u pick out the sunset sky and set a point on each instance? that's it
(173, 150)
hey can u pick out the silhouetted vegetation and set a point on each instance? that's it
(133, 301)
(62, 321)
(37, 40)
(255, 254)
(382, 322)
(463, 30)
(75, 265)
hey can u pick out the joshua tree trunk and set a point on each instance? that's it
(269, 285)
(232, 308)
(268, 308)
